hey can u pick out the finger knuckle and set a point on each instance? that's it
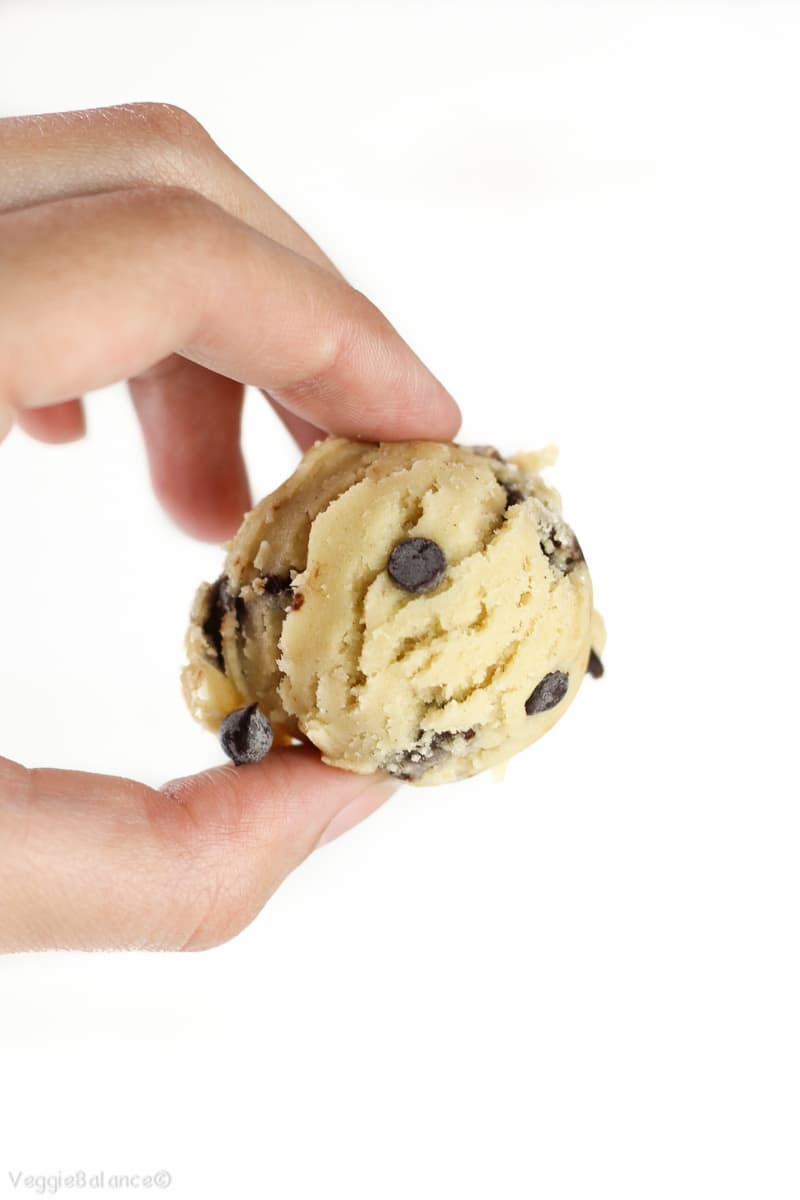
(364, 327)
(171, 198)
(163, 142)
(178, 215)
(364, 318)
(177, 146)
(210, 846)
(169, 122)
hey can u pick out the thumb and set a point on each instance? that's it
(93, 862)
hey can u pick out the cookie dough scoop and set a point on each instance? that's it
(417, 608)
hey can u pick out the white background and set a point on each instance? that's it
(583, 982)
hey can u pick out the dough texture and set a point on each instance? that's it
(310, 621)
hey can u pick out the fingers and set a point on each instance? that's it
(56, 424)
(191, 418)
(52, 156)
(45, 158)
(101, 287)
(94, 862)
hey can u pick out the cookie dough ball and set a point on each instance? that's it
(417, 608)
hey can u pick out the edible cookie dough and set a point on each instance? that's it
(418, 608)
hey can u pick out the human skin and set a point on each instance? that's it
(132, 248)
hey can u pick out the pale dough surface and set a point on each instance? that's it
(307, 622)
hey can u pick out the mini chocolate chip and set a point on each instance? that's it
(221, 601)
(561, 547)
(513, 496)
(278, 591)
(276, 583)
(549, 692)
(486, 452)
(417, 565)
(595, 667)
(298, 601)
(423, 755)
(246, 735)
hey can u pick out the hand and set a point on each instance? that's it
(132, 248)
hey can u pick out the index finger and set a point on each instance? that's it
(97, 288)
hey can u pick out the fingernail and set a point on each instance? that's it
(365, 803)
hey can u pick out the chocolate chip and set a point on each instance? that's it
(561, 547)
(428, 751)
(486, 452)
(595, 667)
(246, 735)
(220, 601)
(276, 583)
(513, 496)
(417, 565)
(549, 692)
(278, 591)
(299, 598)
